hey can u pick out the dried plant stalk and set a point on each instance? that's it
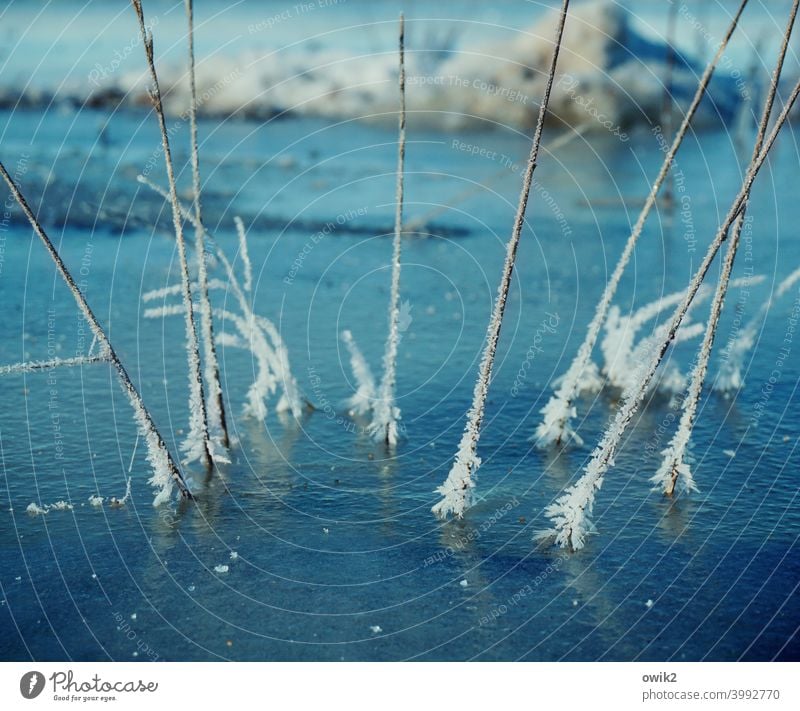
(675, 470)
(457, 490)
(571, 512)
(555, 427)
(165, 471)
(216, 404)
(198, 445)
(386, 413)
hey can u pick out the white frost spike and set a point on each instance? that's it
(570, 514)
(556, 426)
(245, 255)
(787, 283)
(643, 353)
(229, 340)
(624, 360)
(157, 457)
(457, 490)
(385, 412)
(163, 311)
(730, 373)
(164, 292)
(360, 403)
(551, 431)
(621, 356)
(114, 501)
(618, 344)
(733, 355)
(253, 339)
(272, 360)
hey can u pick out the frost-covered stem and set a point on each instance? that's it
(244, 252)
(187, 215)
(386, 413)
(732, 356)
(197, 445)
(291, 399)
(216, 404)
(35, 365)
(555, 428)
(250, 338)
(165, 471)
(253, 339)
(666, 101)
(360, 403)
(571, 513)
(674, 464)
(276, 358)
(457, 489)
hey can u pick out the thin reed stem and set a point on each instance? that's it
(667, 101)
(571, 513)
(165, 470)
(457, 490)
(558, 412)
(674, 465)
(36, 365)
(216, 404)
(386, 413)
(198, 445)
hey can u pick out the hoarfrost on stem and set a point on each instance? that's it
(674, 470)
(197, 446)
(217, 425)
(571, 513)
(255, 332)
(165, 471)
(556, 426)
(360, 403)
(385, 412)
(457, 490)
